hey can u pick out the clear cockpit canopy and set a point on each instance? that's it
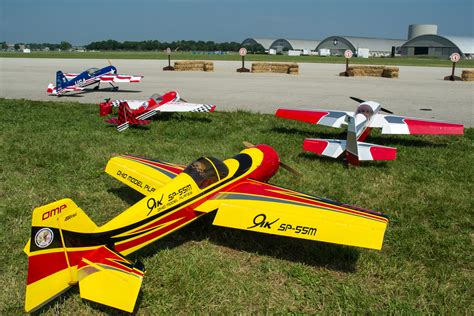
(92, 70)
(366, 110)
(206, 171)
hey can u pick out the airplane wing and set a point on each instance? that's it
(142, 174)
(392, 124)
(185, 107)
(265, 208)
(120, 78)
(321, 117)
(106, 277)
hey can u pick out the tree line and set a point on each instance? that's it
(151, 45)
(174, 46)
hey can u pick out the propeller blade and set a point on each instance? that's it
(386, 111)
(357, 99)
(109, 62)
(284, 165)
(290, 169)
(181, 99)
(247, 144)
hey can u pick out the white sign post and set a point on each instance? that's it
(347, 55)
(454, 57)
(243, 52)
(169, 67)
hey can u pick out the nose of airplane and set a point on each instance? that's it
(269, 165)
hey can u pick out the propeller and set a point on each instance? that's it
(362, 101)
(284, 165)
(109, 62)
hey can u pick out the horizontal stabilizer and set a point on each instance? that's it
(368, 151)
(106, 277)
(326, 147)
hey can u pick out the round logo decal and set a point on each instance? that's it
(44, 237)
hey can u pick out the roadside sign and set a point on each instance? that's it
(168, 51)
(455, 57)
(243, 51)
(348, 53)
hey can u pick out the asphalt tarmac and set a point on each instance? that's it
(419, 92)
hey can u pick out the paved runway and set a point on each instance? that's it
(317, 86)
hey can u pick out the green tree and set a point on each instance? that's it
(65, 46)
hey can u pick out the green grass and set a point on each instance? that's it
(52, 150)
(400, 61)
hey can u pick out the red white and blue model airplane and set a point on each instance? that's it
(139, 112)
(359, 125)
(71, 82)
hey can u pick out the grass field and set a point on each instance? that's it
(52, 150)
(400, 61)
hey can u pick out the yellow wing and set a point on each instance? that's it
(142, 174)
(264, 208)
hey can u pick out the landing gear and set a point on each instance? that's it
(97, 87)
(114, 88)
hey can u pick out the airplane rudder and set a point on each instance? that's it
(63, 214)
(60, 79)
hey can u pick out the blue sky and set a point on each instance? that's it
(81, 22)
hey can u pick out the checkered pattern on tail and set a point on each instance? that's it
(204, 108)
(116, 103)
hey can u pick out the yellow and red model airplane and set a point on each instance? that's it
(66, 247)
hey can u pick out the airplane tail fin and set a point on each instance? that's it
(61, 80)
(51, 268)
(357, 151)
(60, 256)
(126, 118)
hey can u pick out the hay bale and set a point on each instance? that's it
(467, 75)
(284, 68)
(390, 72)
(371, 71)
(193, 65)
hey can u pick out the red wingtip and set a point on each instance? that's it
(315, 146)
(312, 117)
(383, 153)
(434, 128)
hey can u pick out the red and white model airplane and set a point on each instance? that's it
(135, 112)
(359, 125)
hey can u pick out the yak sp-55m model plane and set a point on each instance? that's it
(359, 125)
(67, 248)
(138, 112)
(70, 82)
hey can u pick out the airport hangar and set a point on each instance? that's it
(422, 40)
